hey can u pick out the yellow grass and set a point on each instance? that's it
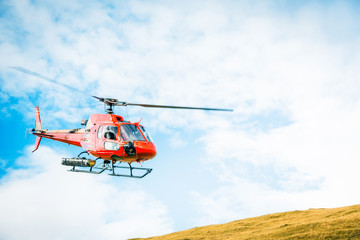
(337, 223)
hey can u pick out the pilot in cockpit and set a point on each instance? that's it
(110, 132)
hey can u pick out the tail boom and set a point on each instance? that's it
(69, 136)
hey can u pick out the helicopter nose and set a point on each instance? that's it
(146, 150)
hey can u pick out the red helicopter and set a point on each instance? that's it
(108, 137)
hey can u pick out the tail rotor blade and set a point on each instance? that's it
(28, 131)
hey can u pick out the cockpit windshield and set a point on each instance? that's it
(130, 132)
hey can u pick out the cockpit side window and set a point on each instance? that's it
(110, 132)
(99, 132)
(147, 135)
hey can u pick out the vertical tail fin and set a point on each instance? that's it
(37, 119)
(37, 127)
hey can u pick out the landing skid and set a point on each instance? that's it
(101, 166)
(131, 168)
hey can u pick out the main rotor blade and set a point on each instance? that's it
(177, 107)
(111, 101)
(24, 70)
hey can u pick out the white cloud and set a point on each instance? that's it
(47, 202)
(301, 72)
(290, 74)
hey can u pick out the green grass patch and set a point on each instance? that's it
(335, 223)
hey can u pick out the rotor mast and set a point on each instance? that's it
(109, 104)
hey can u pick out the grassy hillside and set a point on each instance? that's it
(337, 223)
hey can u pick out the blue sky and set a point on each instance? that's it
(289, 69)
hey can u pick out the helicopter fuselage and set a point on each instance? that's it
(106, 136)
